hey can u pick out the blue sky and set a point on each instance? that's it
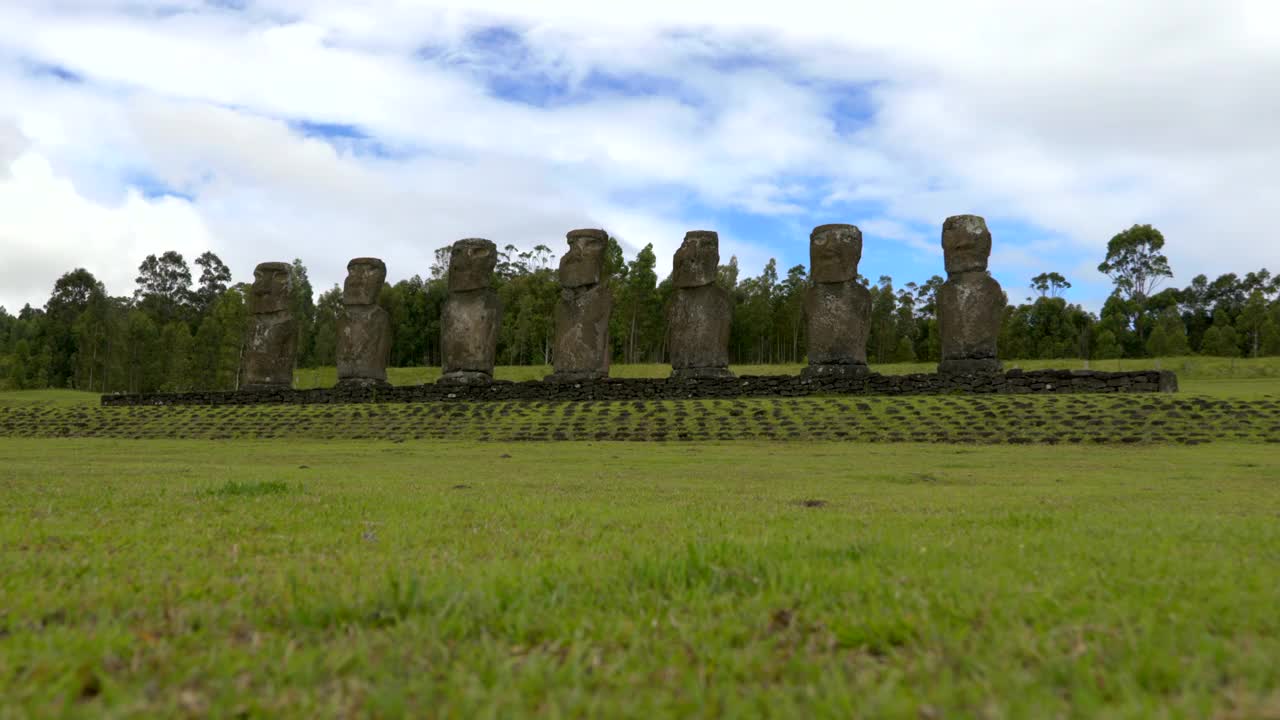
(323, 130)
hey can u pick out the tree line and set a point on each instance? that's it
(183, 328)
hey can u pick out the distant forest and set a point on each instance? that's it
(184, 328)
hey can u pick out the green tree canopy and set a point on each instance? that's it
(1134, 261)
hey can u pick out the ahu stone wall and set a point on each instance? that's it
(1012, 381)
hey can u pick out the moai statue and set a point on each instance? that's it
(970, 303)
(836, 306)
(273, 333)
(364, 328)
(582, 315)
(700, 313)
(472, 314)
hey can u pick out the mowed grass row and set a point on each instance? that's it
(341, 578)
(989, 419)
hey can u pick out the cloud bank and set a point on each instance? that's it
(274, 129)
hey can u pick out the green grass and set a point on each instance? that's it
(622, 580)
(47, 398)
(987, 419)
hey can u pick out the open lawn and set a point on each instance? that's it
(916, 557)
(322, 578)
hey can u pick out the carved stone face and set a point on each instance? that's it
(697, 259)
(834, 253)
(270, 288)
(584, 263)
(365, 277)
(471, 263)
(966, 243)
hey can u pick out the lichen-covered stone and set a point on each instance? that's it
(582, 334)
(583, 265)
(470, 323)
(837, 307)
(271, 346)
(472, 314)
(581, 351)
(471, 263)
(364, 328)
(698, 322)
(966, 244)
(700, 313)
(834, 253)
(697, 259)
(970, 303)
(838, 316)
(270, 291)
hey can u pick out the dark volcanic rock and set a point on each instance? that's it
(970, 303)
(834, 253)
(582, 314)
(469, 331)
(583, 265)
(696, 260)
(636, 390)
(272, 343)
(364, 328)
(471, 263)
(582, 334)
(699, 316)
(837, 307)
(472, 314)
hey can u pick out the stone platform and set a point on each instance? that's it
(1009, 382)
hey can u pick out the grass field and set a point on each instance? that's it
(610, 579)
(916, 557)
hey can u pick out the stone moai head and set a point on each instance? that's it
(966, 243)
(834, 253)
(270, 288)
(471, 263)
(584, 263)
(697, 259)
(365, 277)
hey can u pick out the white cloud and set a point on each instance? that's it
(1078, 119)
(47, 228)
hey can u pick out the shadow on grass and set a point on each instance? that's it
(251, 489)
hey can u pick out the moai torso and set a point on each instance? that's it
(838, 316)
(970, 310)
(970, 303)
(699, 321)
(364, 328)
(582, 314)
(700, 314)
(837, 307)
(271, 347)
(472, 314)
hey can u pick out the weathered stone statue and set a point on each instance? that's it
(582, 315)
(472, 314)
(700, 313)
(273, 333)
(836, 306)
(970, 303)
(364, 328)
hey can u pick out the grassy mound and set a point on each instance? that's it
(1070, 419)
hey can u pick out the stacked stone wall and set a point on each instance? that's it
(1010, 382)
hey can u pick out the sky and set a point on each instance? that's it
(329, 129)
